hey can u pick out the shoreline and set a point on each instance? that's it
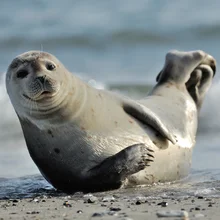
(109, 205)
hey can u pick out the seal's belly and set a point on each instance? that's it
(169, 165)
(114, 130)
(171, 162)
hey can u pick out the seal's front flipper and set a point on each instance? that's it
(145, 116)
(111, 173)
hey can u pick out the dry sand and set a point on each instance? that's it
(108, 205)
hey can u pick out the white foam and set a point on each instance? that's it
(96, 84)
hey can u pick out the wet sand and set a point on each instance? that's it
(109, 205)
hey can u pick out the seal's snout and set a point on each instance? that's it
(41, 79)
(47, 85)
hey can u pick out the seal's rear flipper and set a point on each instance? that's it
(179, 65)
(111, 173)
(199, 83)
(145, 116)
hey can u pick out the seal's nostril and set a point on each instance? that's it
(41, 79)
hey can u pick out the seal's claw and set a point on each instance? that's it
(150, 155)
(210, 61)
(213, 66)
(146, 156)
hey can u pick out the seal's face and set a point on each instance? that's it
(33, 80)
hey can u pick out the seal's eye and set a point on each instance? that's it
(22, 74)
(50, 66)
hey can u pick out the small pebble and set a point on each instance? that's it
(101, 214)
(112, 213)
(115, 209)
(92, 199)
(66, 204)
(140, 200)
(108, 199)
(163, 204)
(89, 198)
(86, 196)
(79, 211)
(197, 208)
(96, 214)
(199, 215)
(33, 212)
(15, 200)
(172, 213)
(200, 197)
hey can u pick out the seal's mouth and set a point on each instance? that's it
(43, 94)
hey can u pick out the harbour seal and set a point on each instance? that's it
(85, 139)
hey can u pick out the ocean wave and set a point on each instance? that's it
(122, 37)
(126, 37)
(206, 31)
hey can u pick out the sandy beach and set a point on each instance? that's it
(109, 205)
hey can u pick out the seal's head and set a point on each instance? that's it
(34, 81)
